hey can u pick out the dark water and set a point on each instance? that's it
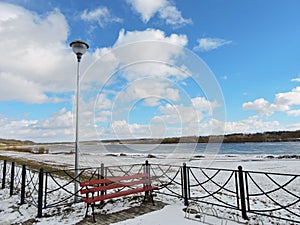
(275, 148)
(272, 148)
(228, 148)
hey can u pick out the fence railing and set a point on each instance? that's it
(273, 194)
(270, 194)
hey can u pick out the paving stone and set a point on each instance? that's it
(106, 219)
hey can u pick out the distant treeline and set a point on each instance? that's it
(271, 136)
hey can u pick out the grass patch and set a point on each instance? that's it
(59, 171)
(30, 164)
(37, 150)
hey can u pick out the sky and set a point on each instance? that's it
(154, 68)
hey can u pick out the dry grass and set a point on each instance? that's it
(30, 164)
(37, 150)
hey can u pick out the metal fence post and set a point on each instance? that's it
(147, 171)
(102, 171)
(4, 174)
(23, 184)
(148, 179)
(242, 193)
(12, 178)
(40, 194)
(102, 177)
(45, 189)
(184, 179)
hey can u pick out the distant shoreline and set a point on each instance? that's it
(272, 136)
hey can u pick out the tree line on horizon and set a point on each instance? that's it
(269, 136)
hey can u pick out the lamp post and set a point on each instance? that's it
(79, 48)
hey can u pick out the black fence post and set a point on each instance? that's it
(12, 178)
(102, 176)
(147, 171)
(46, 185)
(23, 184)
(146, 165)
(102, 171)
(242, 193)
(40, 194)
(4, 174)
(184, 180)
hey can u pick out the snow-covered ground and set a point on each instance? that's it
(231, 161)
(13, 213)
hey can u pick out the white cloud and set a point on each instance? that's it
(202, 104)
(130, 47)
(179, 114)
(297, 79)
(100, 15)
(283, 102)
(147, 8)
(166, 11)
(102, 102)
(158, 60)
(150, 94)
(172, 119)
(33, 55)
(149, 35)
(199, 109)
(156, 52)
(172, 16)
(208, 44)
(260, 105)
(17, 88)
(123, 130)
(294, 112)
(288, 98)
(57, 127)
(32, 65)
(252, 124)
(103, 116)
(58, 120)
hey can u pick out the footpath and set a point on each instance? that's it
(106, 219)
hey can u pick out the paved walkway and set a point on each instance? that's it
(106, 219)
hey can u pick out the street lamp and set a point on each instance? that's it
(79, 48)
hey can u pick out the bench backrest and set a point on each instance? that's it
(113, 182)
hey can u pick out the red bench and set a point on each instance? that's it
(114, 187)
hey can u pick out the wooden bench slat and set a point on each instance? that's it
(132, 184)
(113, 179)
(112, 186)
(119, 194)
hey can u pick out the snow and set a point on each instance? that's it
(11, 212)
(173, 214)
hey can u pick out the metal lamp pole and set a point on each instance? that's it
(79, 48)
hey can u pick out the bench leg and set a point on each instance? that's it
(147, 194)
(87, 210)
(93, 210)
(151, 196)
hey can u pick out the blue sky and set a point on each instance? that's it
(154, 68)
